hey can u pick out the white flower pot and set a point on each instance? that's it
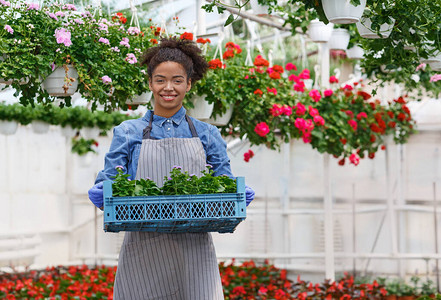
(258, 9)
(90, 133)
(432, 59)
(365, 30)
(86, 160)
(8, 127)
(223, 119)
(39, 127)
(56, 84)
(308, 83)
(355, 52)
(339, 39)
(68, 131)
(319, 32)
(342, 11)
(144, 98)
(435, 66)
(202, 109)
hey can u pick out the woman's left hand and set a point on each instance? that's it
(249, 194)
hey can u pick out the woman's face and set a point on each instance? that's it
(169, 84)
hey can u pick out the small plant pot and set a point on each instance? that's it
(68, 131)
(342, 11)
(355, 52)
(144, 98)
(202, 109)
(90, 133)
(365, 30)
(319, 32)
(223, 119)
(40, 127)
(60, 84)
(339, 39)
(8, 127)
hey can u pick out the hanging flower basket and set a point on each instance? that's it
(342, 11)
(365, 30)
(202, 109)
(8, 127)
(223, 119)
(339, 39)
(68, 131)
(355, 52)
(144, 98)
(39, 127)
(319, 32)
(62, 82)
(90, 133)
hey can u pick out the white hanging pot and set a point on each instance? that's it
(319, 32)
(39, 127)
(223, 119)
(365, 30)
(86, 160)
(342, 11)
(435, 66)
(308, 83)
(90, 133)
(202, 109)
(68, 131)
(339, 39)
(258, 9)
(355, 52)
(144, 98)
(432, 59)
(59, 84)
(8, 127)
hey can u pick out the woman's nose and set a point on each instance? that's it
(169, 85)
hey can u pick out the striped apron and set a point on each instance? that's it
(155, 265)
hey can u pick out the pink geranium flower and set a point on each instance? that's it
(313, 111)
(328, 93)
(300, 109)
(131, 58)
(361, 115)
(333, 79)
(353, 124)
(106, 79)
(435, 78)
(9, 29)
(304, 74)
(104, 41)
(33, 6)
(276, 110)
(354, 159)
(300, 123)
(262, 129)
(286, 110)
(290, 66)
(299, 86)
(63, 37)
(315, 94)
(319, 120)
(125, 42)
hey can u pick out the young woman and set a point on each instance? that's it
(160, 265)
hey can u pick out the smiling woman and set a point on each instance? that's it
(155, 265)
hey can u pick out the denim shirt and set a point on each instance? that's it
(127, 139)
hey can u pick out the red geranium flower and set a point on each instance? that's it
(187, 36)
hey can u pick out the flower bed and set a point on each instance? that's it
(244, 281)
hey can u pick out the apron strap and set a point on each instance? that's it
(146, 132)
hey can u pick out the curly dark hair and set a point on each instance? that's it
(184, 52)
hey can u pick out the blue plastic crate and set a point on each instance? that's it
(175, 214)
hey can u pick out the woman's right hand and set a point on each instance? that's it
(96, 195)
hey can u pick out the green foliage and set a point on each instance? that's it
(177, 183)
(82, 146)
(77, 116)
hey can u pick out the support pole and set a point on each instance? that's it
(435, 217)
(201, 20)
(329, 219)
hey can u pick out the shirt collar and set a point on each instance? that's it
(159, 121)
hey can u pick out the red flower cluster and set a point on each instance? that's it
(119, 17)
(215, 64)
(259, 61)
(232, 49)
(203, 41)
(247, 155)
(156, 30)
(187, 36)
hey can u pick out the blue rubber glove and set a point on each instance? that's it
(249, 194)
(96, 195)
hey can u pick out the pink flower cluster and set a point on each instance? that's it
(133, 30)
(131, 58)
(262, 129)
(106, 79)
(63, 37)
(9, 29)
(279, 109)
(315, 95)
(125, 42)
(435, 78)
